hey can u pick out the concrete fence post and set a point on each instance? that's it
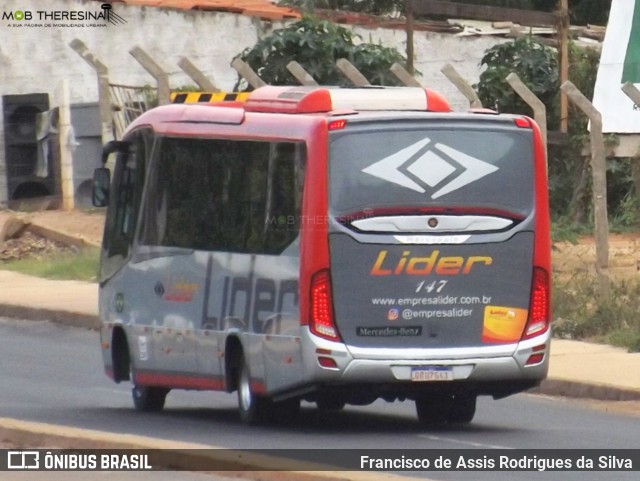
(462, 85)
(538, 107)
(66, 158)
(104, 100)
(246, 72)
(352, 73)
(301, 74)
(197, 75)
(404, 76)
(632, 92)
(161, 77)
(599, 172)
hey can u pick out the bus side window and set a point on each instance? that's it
(225, 195)
(127, 185)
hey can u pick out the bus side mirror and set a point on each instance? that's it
(101, 185)
(102, 175)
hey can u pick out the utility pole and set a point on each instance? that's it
(563, 51)
(408, 12)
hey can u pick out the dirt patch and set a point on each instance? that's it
(31, 245)
(37, 236)
(624, 256)
(87, 225)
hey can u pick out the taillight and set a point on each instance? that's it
(321, 318)
(522, 122)
(337, 125)
(539, 312)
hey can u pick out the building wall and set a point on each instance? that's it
(36, 59)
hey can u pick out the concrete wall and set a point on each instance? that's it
(36, 59)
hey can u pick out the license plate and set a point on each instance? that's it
(431, 373)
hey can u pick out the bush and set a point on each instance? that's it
(535, 64)
(582, 315)
(317, 45)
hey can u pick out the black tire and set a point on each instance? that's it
(432, 411)
(462, 409)
(149, 398)
(253, 408)
(329, 404)
(438, 410)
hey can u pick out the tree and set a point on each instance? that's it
(317, 45)
(535, 64)
(589, 11)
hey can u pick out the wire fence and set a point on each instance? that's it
(129, 102)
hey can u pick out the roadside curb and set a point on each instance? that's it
(59, 236)
(581, 390)
(14, 225)
(180, 455)
(67, 318)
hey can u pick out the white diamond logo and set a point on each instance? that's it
(387, 168)
(476, 169)
(430, 168)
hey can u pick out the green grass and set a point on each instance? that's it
(581, 314)
(81, 265)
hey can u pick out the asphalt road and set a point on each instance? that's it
(50, 373)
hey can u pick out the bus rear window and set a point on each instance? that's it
(428, 167)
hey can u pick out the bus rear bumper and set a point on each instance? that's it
(526, 362)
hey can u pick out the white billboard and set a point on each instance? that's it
(619, 63)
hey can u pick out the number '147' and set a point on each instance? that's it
(436, 286)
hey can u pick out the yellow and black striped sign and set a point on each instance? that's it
(207, 97)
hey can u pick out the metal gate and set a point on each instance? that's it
(128, 102)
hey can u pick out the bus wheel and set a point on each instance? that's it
(253, 408)
(462, 409)
(433, 410)
(147, 398)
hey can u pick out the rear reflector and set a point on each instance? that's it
(539, 314)
(321, 318)
(327, 362)
(535, 359)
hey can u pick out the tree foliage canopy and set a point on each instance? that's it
(317, 45)
(535, 64)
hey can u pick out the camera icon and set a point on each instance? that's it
(23, 460)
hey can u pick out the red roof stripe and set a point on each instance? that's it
(255, 8)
